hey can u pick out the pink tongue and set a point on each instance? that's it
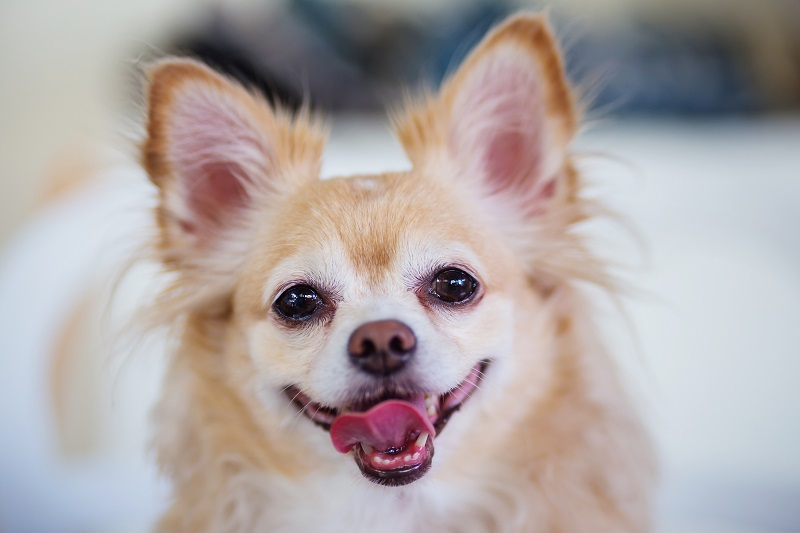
(385, 426)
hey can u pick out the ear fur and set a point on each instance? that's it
(505, 117)
(219, 156)
(501, 127)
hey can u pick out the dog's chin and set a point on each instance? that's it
(390, 429)
(410, 469)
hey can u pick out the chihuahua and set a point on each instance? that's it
(408, 351)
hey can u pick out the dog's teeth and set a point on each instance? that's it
(430, 404)
(422, 439)
(407, 457)
(415, 456)
(367, 448)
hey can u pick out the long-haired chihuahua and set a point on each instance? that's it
(408, 351)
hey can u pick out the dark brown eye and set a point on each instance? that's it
(453, 285)
(298, 302)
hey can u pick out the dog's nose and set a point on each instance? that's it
(382, 348)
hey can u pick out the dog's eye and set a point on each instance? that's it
(453, 285)
(298, 302)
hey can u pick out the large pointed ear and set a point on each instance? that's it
(219, 156)
(502, 123)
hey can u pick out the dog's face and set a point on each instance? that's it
(368, 290)
(375, 305)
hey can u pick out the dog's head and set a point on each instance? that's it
(376, 305)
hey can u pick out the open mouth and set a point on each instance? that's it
(392, 434)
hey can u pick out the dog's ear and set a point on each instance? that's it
(219, 156)
(501, 124)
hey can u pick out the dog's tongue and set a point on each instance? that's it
(387, 425)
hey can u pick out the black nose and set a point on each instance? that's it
(382, 348)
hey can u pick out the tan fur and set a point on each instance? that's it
(298, 141)
(550, 443)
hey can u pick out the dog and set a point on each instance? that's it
(408, 351)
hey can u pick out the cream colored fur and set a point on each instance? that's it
(549, 442)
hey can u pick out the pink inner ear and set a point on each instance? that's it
(509, 160)
(217, 192)
(217, 153)
(499, 116)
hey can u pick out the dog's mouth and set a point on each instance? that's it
(391, 434)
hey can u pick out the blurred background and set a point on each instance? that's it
(693, 136)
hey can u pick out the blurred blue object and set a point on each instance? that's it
(348, 55)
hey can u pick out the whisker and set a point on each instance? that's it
(317, 411)
(298, 415)
(477, 372)
(462, 387)
(293, 398)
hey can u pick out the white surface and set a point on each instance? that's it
(716, 205)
